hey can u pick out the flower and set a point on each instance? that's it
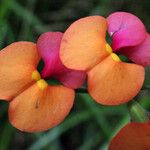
(110, 81)
(33, 104)
(48, 46)
(129, 37)
(134, 136)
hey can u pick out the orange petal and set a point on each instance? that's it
(40, 107)
(17, 62)
(83, 43)
(113, 82)
(134, 136)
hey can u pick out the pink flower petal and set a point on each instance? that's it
(48, 46)
(71, 78)
(139, 54)
(125, 29)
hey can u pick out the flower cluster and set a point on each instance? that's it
(35, 105)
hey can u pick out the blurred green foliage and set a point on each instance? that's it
(89, 126)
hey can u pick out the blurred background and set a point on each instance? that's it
(89, 126)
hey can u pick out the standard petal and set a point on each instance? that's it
(113, 82)
(83, 43)
(40, 107)
(134, 136)
(71, 79)
(139, 54)
(48, 46)
(125, 29)
(17, 63)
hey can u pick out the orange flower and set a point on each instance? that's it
(34, 105)
(110, 81)
(134, 136)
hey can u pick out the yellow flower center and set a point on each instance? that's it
(36, 75)
(113, 55)
(108, 48)
(42, 84)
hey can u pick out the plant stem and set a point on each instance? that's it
(137, 112)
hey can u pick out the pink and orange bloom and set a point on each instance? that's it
(33, 104)
(134, 136)
(48, 46)
(84, 47)
(129, 37)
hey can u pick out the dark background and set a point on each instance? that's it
(89, 126)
